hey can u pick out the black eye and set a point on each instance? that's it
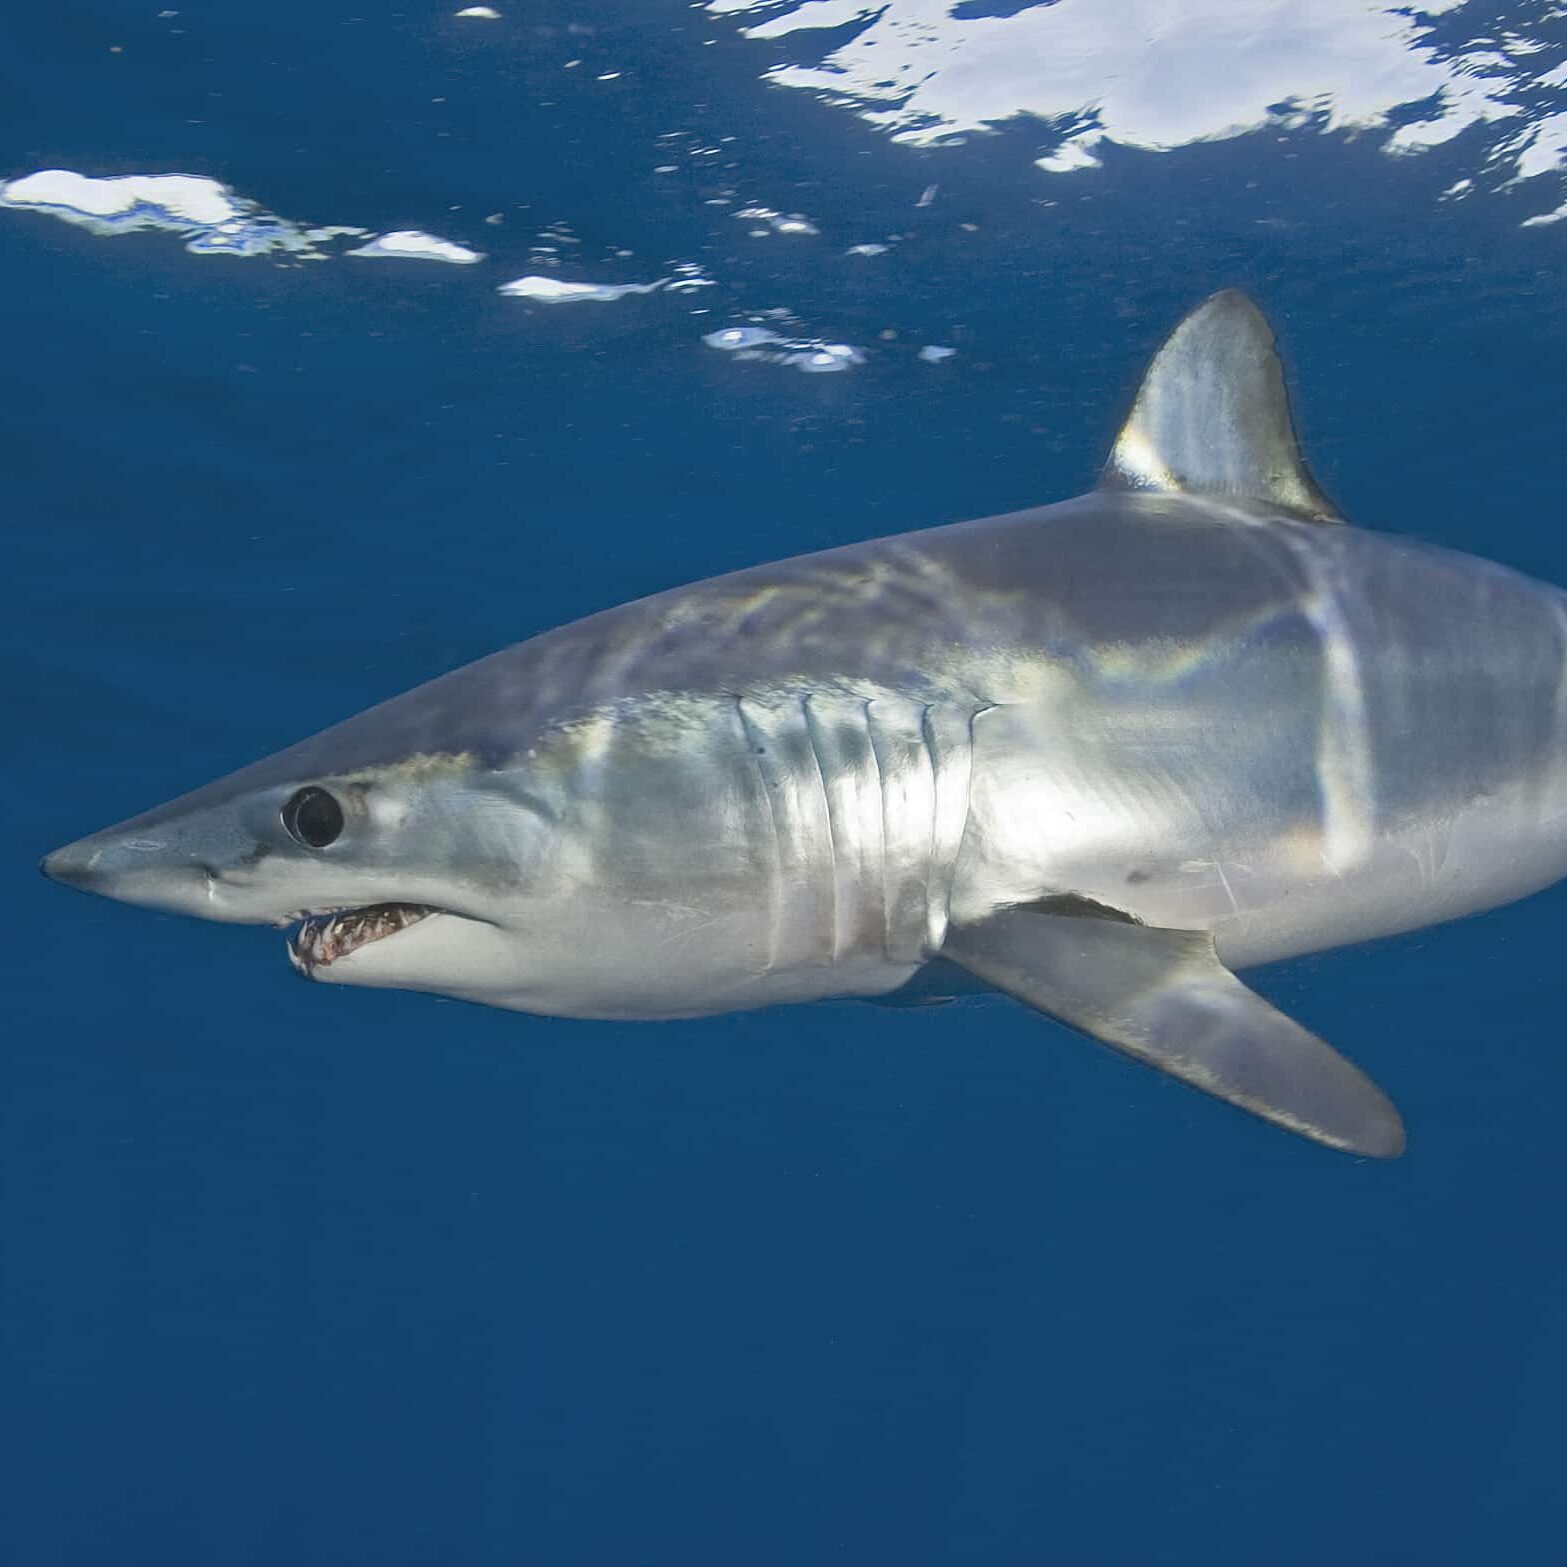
(313, 818)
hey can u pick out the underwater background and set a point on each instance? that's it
(312, 1275)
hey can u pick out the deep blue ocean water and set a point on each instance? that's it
(299, 1274)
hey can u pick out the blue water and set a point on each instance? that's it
(319, 1275)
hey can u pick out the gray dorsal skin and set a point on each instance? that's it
(1164, 997)
(1212, 417)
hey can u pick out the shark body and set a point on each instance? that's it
(1098, 754)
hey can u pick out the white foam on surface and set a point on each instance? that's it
(777, 222)
(213, 219)
(731, 338)
(1069, 156)
(411, 244)
(557, 291)
(762, 345)
(1154, 75)
(187, 198)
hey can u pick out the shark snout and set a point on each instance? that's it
(78, 864)
(132, 868)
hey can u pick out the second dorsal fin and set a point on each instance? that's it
(1212, 417)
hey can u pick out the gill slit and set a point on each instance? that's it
(881, 828)
(933, 761)
(826, 808)
(952, 774)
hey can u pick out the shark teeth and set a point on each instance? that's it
(324, 938)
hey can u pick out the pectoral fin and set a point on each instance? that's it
(1164, 997)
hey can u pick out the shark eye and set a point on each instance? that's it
(313, 818)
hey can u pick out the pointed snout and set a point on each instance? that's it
(75, 864)
(132, 868)
(103, 862)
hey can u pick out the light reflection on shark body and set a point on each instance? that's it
(1097, 754)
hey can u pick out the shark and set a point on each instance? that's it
(1098, 755)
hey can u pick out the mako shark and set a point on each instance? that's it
(1098, 754)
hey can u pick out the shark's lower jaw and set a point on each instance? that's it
(324, 938)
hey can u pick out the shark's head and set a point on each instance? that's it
(504, 835)
(394, 863)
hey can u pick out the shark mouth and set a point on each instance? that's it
(324, 938)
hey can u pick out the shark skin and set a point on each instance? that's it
(1097, 754)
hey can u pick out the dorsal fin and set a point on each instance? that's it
(1212, 417)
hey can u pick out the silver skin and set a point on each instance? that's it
(1205, 708)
